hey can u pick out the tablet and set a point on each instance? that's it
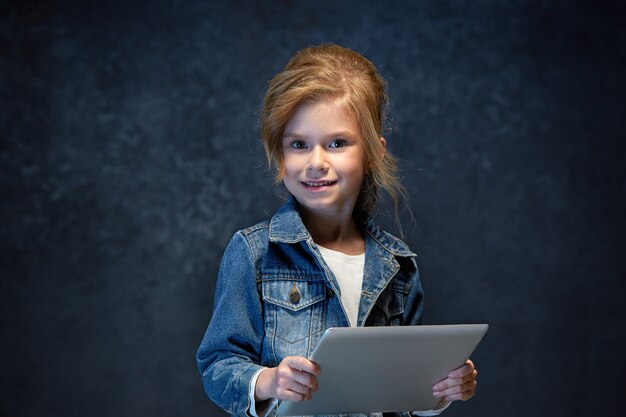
(384, 369)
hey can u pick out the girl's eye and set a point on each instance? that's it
(298, 144)
(338, 143)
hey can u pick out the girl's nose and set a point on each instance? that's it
(318, 161)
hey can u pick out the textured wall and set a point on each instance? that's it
(130, 155)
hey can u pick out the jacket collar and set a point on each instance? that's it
(389, 242)
(286, 226)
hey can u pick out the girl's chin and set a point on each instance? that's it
(322, 206)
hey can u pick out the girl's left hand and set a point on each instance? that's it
(459, 385)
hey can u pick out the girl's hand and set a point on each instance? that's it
(459, 385)
(295, 379)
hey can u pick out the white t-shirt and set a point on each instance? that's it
(348, 270)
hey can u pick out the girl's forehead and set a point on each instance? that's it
(327, 114)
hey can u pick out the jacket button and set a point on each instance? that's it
(295, 295)
(329, 293)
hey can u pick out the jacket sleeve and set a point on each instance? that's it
(230, 351)
(414, 305)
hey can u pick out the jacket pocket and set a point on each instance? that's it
(294, 310)
(389, 306)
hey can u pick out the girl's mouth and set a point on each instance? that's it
(317, 184)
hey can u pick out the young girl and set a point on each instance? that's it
(320, 261)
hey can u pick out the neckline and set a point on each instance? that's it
(341, 256)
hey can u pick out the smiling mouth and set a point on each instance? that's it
(318, 184)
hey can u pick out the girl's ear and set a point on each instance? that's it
(383, 152)
(383, 142)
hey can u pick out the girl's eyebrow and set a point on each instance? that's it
(341, 133)
(292, 135)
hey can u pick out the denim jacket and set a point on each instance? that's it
(276, 296)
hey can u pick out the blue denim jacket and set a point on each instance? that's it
(275, 296)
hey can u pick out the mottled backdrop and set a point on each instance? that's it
(130, 153)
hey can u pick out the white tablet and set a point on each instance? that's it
(384, 369)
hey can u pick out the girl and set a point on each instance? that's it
(320, 261)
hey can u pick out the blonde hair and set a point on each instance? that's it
(330, 71)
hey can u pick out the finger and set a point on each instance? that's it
(288, 394)
(460, 392)
(302, 364)
(306, 379)
(462, 371)
(298, 388)
(303, 371)
(288, 388)
(462, 396)
(453, 382)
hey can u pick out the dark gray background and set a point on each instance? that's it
(130, 154)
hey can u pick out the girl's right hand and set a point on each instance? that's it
(295, 379)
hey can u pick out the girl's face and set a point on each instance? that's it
(323, 157)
